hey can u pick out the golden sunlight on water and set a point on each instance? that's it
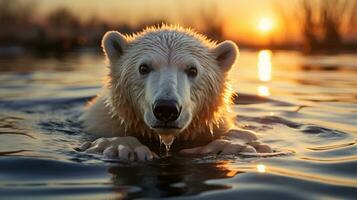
(264, 71)
(226, 167)
(264, 65)
(263, 91)
(261, 168)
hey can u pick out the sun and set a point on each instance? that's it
(265, 24)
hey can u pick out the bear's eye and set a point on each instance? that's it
(144, 69)
(191, 71)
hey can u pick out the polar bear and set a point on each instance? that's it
(165, 84)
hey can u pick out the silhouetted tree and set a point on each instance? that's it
(309, 25)
(62, 17)
(15, 18)
(323, 22)
(209, 21)
(212, 21)
(14, 12)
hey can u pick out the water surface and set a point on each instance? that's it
(305, 105)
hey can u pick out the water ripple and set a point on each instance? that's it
(332, 147)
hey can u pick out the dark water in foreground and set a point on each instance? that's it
(304, 105)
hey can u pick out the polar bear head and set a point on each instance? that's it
(168, 79)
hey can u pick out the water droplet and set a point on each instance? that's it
(167, 140)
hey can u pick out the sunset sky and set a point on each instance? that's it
(248, 20)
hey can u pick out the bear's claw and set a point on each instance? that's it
(226, 147)
(123, 148)
(236, 142)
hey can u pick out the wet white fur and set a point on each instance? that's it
(124, 106)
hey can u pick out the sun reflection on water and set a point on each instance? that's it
(261, 168)
(264, 71)
(264, 65)
(226, 167)
(263, 91)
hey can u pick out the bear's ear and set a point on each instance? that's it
(113, 45)
(226, 54)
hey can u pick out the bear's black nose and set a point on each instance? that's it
(166, 110)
